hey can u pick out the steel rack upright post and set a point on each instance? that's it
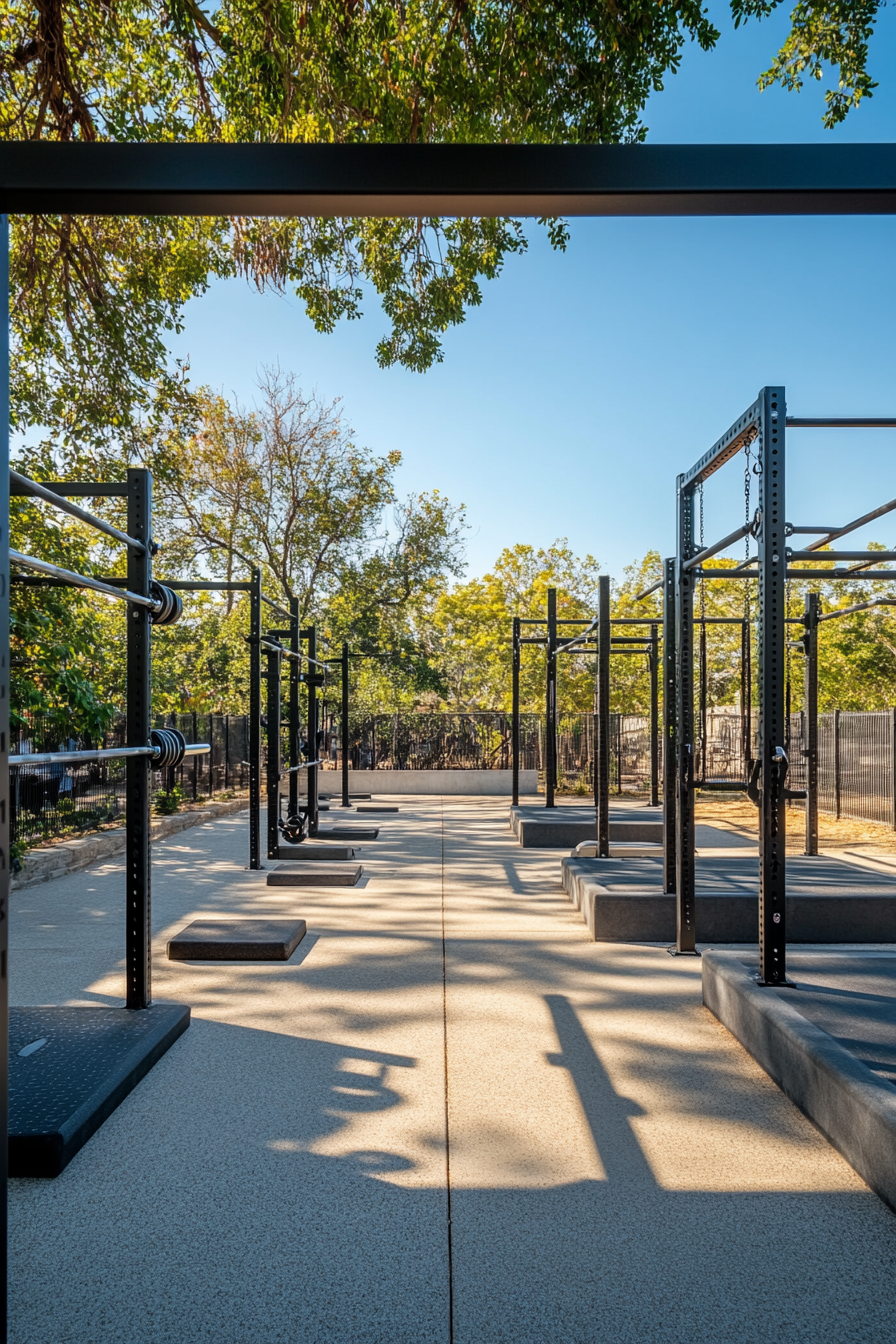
(670, 744)
(602, 745)
(313, 681)
(346, 737)
(811, 612)
(295, 643)
(685, 876)
(274, 768)
(515, 714)
(138, 953)
(255, 721)
(654, 716)
(550, 717)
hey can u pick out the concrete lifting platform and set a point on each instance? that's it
(311, 852)
(315, 875)
(828, 900)
(566, 827)
(69, 1068)
(356, 833)
(829, 1042)
(237, 940)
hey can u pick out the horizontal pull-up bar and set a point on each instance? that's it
(102, 754)
(790, 530)
(534, 640)
(25, 486)
(851, 527)
(306, 765)
(83, 581)
(737, 535)
(872, 556)
(842, 422)
(208, 586)
(859, 606)
(278, 648)
(825, 574)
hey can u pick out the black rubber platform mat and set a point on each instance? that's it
(312, 852)
(375, 807)
(296, 874)
(69, 1068)
(237, 940)
(348, 833)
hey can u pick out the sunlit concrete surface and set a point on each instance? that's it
(616, 1167)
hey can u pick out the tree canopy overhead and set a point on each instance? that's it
(94, 299)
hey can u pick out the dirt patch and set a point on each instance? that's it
(741, 815)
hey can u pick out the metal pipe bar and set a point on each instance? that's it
(630, 639)
(859, 606)
(210, 586)
(791, 530)
(871, 556)
(100, 754)
(851, 527)
(737, 535)
(847, 422)
(634, 620)
(275, 606)
(825, 574)
(305, 765)
(35, 489)
(82, 581)
(280, 648)
(533, 641)
(654, 588)
(723, 574)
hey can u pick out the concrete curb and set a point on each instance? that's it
(853, 1107)
(42, 865)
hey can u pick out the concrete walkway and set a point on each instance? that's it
(616, 1167)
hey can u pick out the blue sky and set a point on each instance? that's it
(568, 402)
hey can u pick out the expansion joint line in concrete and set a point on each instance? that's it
(445, 1055)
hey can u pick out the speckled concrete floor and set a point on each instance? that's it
(616, 1167)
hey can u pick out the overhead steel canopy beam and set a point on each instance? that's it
(43, 177)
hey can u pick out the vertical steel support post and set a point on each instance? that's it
(255, 721)
(772, 551)
(313, 815)
(515, 714)
(654, 717)
(550, 717)
(294, 756)
(810, 706)
(274, 759)
(746, 697)
(346, 736)
(685, 876)
(893, 769)
(138, 768)
(4, 747)
(604, 648)
(837, 799)
(670, 765)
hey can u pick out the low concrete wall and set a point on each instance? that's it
(852, 1106)
(473, 783)
(68, 856)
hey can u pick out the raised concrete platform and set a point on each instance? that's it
(309, 851)
(69, 1068)
(566, 827)
(357, 833)
(315, 875)
(829, 1043)
(828, 900)
(237, 940)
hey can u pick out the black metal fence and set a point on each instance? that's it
(49, 801)
(476, 741)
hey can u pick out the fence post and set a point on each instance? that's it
(837, 764)
(515, 714)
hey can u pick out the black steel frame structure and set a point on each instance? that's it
(597, 638)
(763, 427)
(385, 180)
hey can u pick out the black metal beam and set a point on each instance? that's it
(346, 737)
(685, 582)
(812, 610)
(43, 177)
(772, 710)
(515, 713)
(841, 422)
(602, 746)
(138, 902)
(654, 716)
(550, 717)
(669, 735)
(313, 729)
(274, 764)
(735, 437)
(5, 856)
(255, 721)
